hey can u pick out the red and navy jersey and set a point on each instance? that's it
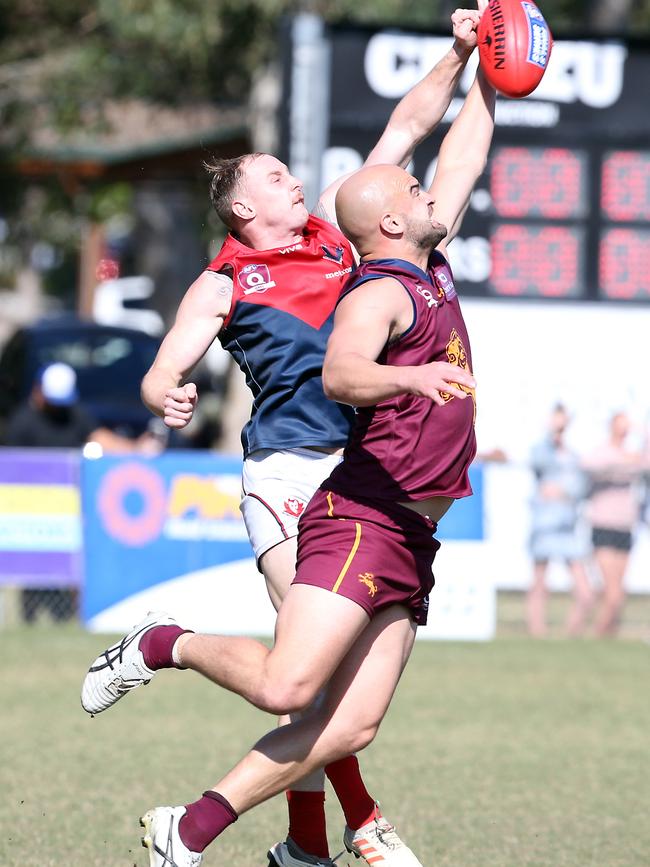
(277, 329)
(408, 447)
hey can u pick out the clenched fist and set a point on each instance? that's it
(465, 23)
(179, 405)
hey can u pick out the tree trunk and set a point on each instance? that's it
(609, 16)
(92, 250)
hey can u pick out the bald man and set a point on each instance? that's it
(399, 352)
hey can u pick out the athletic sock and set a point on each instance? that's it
(157, 645)
(204, 820)
(358, 806)
(307, 826)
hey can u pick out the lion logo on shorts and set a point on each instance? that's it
(457, 354)
(366, 578)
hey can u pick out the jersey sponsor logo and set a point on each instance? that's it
(333, 253)
(427, 294)
(255, 278)
(341, 273)
(445, 283)
(294, 507)
(293, 249)
(367, 579)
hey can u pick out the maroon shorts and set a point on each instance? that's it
(375, 554)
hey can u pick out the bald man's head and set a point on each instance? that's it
(382, 204)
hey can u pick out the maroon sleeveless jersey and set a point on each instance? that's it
(408, 447)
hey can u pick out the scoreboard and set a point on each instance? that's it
(565, 221)
(568, 222)
(563, 208)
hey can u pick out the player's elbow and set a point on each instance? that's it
(146, 394)
(334, 382)
(478, 165)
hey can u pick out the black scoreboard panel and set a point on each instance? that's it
(563, 209)
(569, 222)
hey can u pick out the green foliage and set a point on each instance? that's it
(69, 55)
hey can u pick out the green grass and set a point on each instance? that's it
(509, 754)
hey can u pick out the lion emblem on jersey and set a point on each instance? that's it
(457, 354)
(366, 578)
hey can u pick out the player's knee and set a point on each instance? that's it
(356, 737)
(288, 695)
(364, 737)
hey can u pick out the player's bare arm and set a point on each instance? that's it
(420, 111)
(371, 316)
(198, 322)
(463, 156)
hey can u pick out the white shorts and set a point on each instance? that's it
(276, 487)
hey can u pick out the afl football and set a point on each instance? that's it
(515, 45)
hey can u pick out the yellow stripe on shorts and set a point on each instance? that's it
(348, 562)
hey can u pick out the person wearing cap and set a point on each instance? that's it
(54, 418)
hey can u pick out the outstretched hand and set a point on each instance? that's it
(465, 23)
(179, 405)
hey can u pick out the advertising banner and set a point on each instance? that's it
(40, 518)
(149, 523)
(167, 533)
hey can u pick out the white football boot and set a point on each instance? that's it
(288, 854)
(377, 843)
(121, 668)
(161, 838)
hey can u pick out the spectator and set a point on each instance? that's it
(560, 485)
(54, 418)
(614, 507)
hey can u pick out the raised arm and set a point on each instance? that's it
(420, 111)
(365, 321)
(198, 322)
(463, 156)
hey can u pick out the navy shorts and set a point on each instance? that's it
(603, 537)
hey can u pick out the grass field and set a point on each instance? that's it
(509, 754)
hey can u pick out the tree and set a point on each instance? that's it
(58, 57)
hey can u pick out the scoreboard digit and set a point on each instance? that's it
(538, 182)
(626, 186)
(537, 261)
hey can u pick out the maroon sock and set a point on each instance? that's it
(307, 822)
(204, 820)
(345, 776)
(157, 645)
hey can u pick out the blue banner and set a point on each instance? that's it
(151, 520)
(464, 521)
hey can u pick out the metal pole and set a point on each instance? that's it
(309, 105)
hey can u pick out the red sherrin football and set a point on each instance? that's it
(514, 44)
